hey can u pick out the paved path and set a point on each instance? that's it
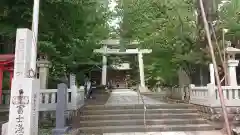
(166, 133)
(171, 133)
(126, 96)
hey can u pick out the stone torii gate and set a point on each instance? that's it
(105, 50)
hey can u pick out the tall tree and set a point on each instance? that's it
(169, 28)
(68, 30)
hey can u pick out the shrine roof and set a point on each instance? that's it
(6, 58)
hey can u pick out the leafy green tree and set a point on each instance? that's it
(68, 30)
(229, 18)
(169, 28)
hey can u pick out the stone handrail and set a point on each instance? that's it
(48, 99)
(209, 96)
(144, 106)
(177, 93)
(198, 95)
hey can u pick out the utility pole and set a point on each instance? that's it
(206, 27)
(35, 35)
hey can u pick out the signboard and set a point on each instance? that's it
(121, 66)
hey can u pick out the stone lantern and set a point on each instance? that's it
(43, 64)
(232, 64)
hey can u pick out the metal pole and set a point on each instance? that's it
(35, 35)
(215, 68)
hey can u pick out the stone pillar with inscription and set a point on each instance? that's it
(24, 101)
(61, 109)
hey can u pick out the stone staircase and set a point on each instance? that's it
(98, 117)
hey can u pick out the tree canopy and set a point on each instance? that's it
(68, 30)
(174, 30)
(167, 27)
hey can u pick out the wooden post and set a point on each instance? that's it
(1, 80)
(11, 77)
(206, 27)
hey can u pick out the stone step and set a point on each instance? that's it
(141, 128)
(99, 123)
(140, 116)
(137, 111)
(138, 106)
(153, 94)
(209, 132)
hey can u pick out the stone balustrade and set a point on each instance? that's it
(207, 101)
(177, 93)
(48, 99)
(209, 96)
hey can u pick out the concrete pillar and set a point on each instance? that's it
(43, 65)
(232, 64)
(141, 69)
(212, 74)
(104, 67)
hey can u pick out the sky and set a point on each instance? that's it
(112, 4)
(114, 22)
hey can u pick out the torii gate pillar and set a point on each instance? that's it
(141, 70)
(104, 68)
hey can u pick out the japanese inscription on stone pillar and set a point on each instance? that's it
(20, 102)
(24, 102)
(22, 53)
(24, 107)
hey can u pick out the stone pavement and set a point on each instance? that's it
(126, 96)
(171, 133)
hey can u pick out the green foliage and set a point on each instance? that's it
(230, 19)
(68, 30)
(168, 27)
